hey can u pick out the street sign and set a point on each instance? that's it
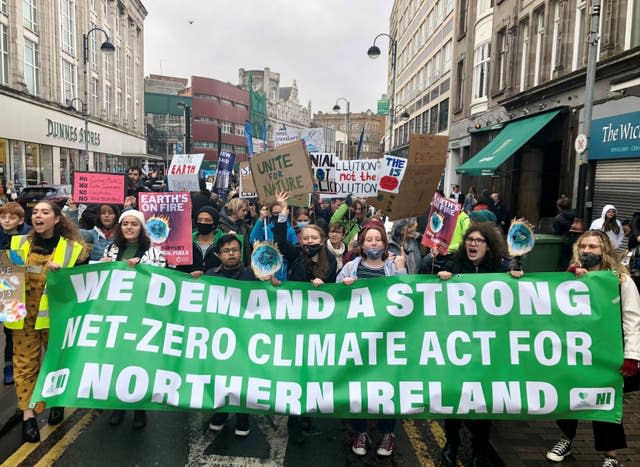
(581, 143)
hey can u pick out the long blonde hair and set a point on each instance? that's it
(609, 259)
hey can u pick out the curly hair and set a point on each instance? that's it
(65, 228)
(144, 242)
(609, 257)
(496, 246)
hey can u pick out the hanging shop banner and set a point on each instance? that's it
(183, 172)
(442, 218)
(323, 165)
(285, 168)
(168, 224)
(247, 187)
(545, 346)
(226, 161)
(425, 164)
(356, 177)
(390, 173)
(99, 188)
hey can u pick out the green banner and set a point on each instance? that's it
(476, 346)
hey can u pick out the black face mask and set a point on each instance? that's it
(204, 229)
(589, 260)
(311, 250)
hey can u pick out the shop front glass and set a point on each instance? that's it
(46, 164)
(65, 167)
(18, 164)
(4, 161)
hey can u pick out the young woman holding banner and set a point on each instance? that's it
(594, 251)
(482, 250)
(132, 244)
(53, 243)
(374, 261)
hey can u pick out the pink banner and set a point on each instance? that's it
(168, 224)
(99, 188)
(442, 219)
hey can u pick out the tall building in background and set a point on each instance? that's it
(424, 34)
(520, 78)
(41, 74)
(164, 111)
(282, 108)
(218, 113)
(372, 137)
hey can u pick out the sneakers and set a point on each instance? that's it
(56, 415)
(8, 375)
(360, 443)
(610, 461)
(561, 450)
(385, 448)
(217, 421)
(243, 426)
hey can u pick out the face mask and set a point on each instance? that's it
(302, 224)
(589, 260)
(311, 250)
(204, 229)
(374, 253)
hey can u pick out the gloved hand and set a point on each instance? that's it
(629, 367)
(349, 200)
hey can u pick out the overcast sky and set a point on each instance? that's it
(322, 44)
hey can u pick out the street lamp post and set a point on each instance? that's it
(105, 47)
(187, 126)
(374, 52)
(347, 122)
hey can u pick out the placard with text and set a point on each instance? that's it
(98, 187)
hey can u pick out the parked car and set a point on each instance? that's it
(30, 195)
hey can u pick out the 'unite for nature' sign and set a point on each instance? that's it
(476, 346)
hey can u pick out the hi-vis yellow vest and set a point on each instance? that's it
(65, 254)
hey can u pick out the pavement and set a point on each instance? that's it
(515, 443)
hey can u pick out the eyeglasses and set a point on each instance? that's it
(476, 240)
(229, 251)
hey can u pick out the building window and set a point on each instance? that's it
(136, 109)
(227, 147)
(4, 55)
(462, 18)
(481, 58)
(29, 13)
(31, 67)
(68, 26)
(446, 57)
(118, 68)
(482, 7)
(94, 50)
(537, 67)
(68, 81)
(227, 128)
(239, 130)
(632, 36)
(579, 37)
(501, 67)
(127, 112)
(94, 96)
(119, 105)
(3, 6)
(460, 81)
(240, 150)
(555, 39)
(433, 124)
(443, 117)
(107, 66)
(107, 101)
(524, 53)
(92, 4)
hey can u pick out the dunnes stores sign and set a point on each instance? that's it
(71, 133)
(616, 137)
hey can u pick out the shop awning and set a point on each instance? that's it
(505, 144)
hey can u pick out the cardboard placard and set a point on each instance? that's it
(98, 187)
(184, 171)
(284, 168)
(356, 177)
(168, 224)
(323, 165)
(442, 220)
(426, 161)
(391, 171)
(247, 187)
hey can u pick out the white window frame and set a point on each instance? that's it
(524, 55)
(30, 15)
(68, 81)
(3, 6)
(446, 57)
(127, 111)
(481, 58)
(226, 127)
(537, 67)
(107, 100)
(107, 66)
(94, 96)
(93, 46)
(580, 35)
(119, 105)
(554, 38)
(68, 26)
(4, 54)
(32, 66)
(502, 59)
(239, 129)
(118, 68)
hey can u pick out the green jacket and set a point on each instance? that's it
(351, 226)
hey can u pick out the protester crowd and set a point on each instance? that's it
(331, 240)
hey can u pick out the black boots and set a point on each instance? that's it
(449, 455)
(30, 431)
(56, 415)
